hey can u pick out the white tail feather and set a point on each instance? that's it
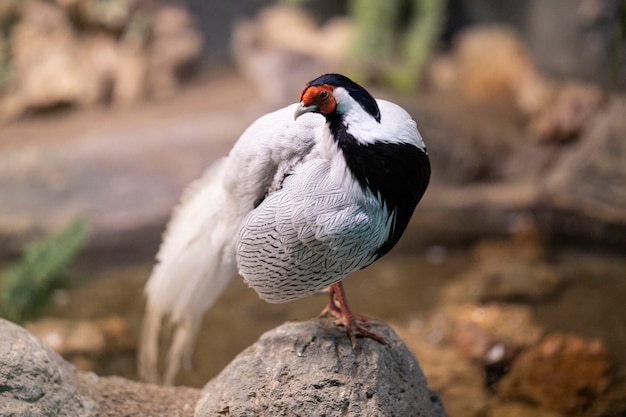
(149, 346)
(197, 257)
(195, 263)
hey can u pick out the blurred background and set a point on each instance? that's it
(510, 283)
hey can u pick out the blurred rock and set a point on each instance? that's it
(8, 10)
(283, 47)
(533, 95)
(583, 43)
(490, 173)
(82, 52)
(124, 171)
(486, 333)
(492, 64)
(612, 403)
(491, 361)
(112, 14)
(175, 43)
(458, 381)
(275, 21)
(519, 410)
(487, 62)
(568, 114)
(465, 151)
(128, 72)
(514, 269)
(83, 342)
(121, 171)
(46, 66)
(588, 179)
(274, 74)
(564, 373)
(310, 368)
(493, 333)
(294, 29)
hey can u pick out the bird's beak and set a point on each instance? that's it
(304, 109)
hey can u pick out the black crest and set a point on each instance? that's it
(358, 93)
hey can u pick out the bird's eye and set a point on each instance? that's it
(323, 95)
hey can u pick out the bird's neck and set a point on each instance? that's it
(349, 150)
(344, 141)
(393, 173)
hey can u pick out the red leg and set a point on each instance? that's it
(338, 307)
(332, 307)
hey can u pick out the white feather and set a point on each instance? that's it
(197, 257)
(198, 254)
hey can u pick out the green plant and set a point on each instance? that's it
(27, 285)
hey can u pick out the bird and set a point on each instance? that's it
(307, 195)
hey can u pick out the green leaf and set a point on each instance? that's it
(27, 285)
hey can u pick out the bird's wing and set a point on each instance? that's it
(308, 235)
(197, 256)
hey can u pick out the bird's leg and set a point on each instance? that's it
(338, 307)
(332, 307)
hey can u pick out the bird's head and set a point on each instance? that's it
(334, 95)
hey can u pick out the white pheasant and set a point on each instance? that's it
(308, 194)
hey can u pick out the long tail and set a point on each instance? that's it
(195, 263)
(197, 257)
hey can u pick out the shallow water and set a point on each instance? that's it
(406, 283)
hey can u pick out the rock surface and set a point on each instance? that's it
(83, 52)
(35, 381)
(119, 397)
(124, 171)
(309, 368)
(589, 178)
(564, 373)
(519, 410)
(459, 381)
(121, 171)
(304, 369)
(559, 375)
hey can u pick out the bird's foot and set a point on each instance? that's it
(331, 310)
(355, 328)
(354, 323)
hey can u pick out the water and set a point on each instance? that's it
(404, 284)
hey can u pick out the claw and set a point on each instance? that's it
(354, 323)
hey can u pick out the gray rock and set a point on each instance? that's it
(582, 45)
(588, 180)
(310, 369)
(35, 381)
(120, 397)
(306, 369)
(122, 173)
